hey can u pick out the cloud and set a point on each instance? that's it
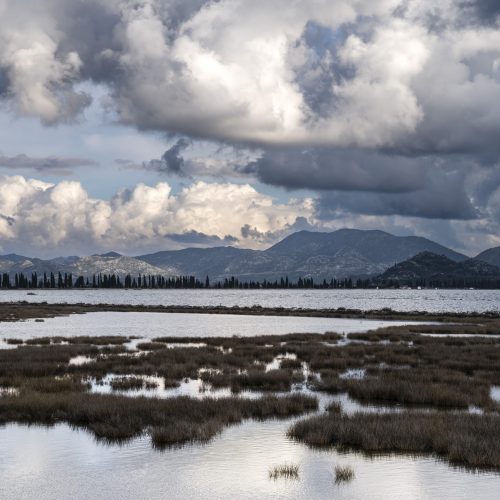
(340, 169)
(50, 164)
(387, 108)
(186, 158)
(171, 162)
(349, 73)
(441, 200)
(485, 11)
(270, 237)
(49, 219)
(232, 74)
(195, 238)
(40, 79)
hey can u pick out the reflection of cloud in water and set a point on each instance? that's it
(61, 463)
(151, 325)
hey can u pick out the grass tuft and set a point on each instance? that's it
(343, 474)
(287, 471)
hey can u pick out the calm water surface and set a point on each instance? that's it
(151, 325)
(60, 463)
(399, 300)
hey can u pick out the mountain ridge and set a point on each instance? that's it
(491, 256)
(319, 255)
(429, 269)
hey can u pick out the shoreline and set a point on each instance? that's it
(22, 310)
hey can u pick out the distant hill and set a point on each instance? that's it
(429, 269)
(343, 253)
(110, 263)
(491, 256)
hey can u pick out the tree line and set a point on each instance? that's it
(68, 281)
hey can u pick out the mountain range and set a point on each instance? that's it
(320, 255)
(343, 253)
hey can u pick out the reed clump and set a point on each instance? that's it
(290, 364)
(272, 380)
(132, 384)
(343, 474)
(14, 341)
(151, 346)
(170, 421)
(463, 439)
(287, 471)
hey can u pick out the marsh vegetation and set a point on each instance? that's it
(287, 471)
(343, 474)
(432, 381)
(463, 439)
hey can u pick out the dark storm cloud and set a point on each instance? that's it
(486, 11)
(172, 161)
(10, 220)
(197, 238)
(175, 12)
(49, 164)
(323, 68)
(4, 82)
(443, 198)
(96, 33)
(92, 27)
(344, 170)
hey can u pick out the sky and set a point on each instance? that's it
(146, 125)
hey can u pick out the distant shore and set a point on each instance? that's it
(22, 310)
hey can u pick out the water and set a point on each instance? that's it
(151, 325)
(399, 300)
(495, 393)
(59, 463)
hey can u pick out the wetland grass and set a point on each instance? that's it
(14, 341)
(132, 384)
(286, 471)
(170, 421)
(462, 439)
(401, 367)
(151, 346)
(343, 474)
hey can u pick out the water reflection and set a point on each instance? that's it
(151, 325)
(59, 463)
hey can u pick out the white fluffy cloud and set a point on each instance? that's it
(40, 78)
(43, 219)
(404, 74)
(231, 73)
(49, 218)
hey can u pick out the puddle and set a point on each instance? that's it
(81, 360)
(495, 393)
(354, 374)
